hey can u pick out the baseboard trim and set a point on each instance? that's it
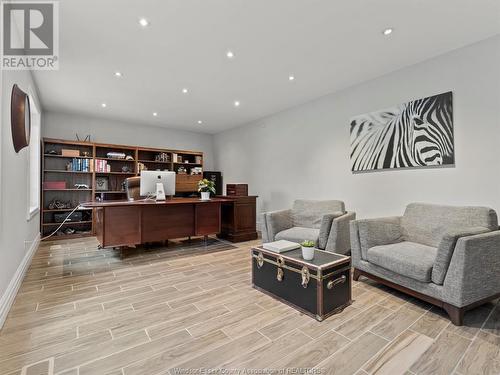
(10, 293)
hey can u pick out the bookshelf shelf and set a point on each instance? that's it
(71, 236)
(66, 157)
(110, 192)
(67, 189)
(154, 162)
(116, 159)
(67, 223)
(66, 209)
(117, 173)
(63, 171)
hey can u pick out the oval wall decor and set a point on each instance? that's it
(20, 118)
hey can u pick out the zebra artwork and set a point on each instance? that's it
(414, 134)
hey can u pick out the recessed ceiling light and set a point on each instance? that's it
(118, 74)
(229, 54)
(104, 105)
(200, 122)
(236, 103)
(291, 78)
(185, 91)
(143, 22)
(387, 31)
(155, 114)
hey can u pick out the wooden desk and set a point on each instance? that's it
(123, 223)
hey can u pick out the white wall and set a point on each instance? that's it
(17, 233)
(304, 152)
(65, 126)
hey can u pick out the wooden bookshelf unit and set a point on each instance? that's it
(103, 175)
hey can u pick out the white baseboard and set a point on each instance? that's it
(10, 293)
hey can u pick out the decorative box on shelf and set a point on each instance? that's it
(70, 153)
(237, 189)
(54, 185)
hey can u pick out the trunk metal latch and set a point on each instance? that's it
(280, 262)
(306, 276)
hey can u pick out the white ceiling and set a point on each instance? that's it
(326, 44)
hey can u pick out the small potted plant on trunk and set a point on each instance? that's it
(205, 187)
(307, 249)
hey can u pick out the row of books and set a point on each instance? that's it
(102, 166)
(80, 165)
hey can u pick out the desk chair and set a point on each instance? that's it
(133, 187)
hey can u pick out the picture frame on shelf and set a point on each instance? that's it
(101, 183)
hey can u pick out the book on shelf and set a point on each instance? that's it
(102, 166)
(79, 165)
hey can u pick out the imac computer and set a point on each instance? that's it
(158, 184)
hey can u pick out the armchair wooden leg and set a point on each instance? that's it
(456, 314)
(356, 274)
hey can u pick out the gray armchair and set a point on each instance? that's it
(448, 256)
(324, 222)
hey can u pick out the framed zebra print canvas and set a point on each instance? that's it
(414, 134)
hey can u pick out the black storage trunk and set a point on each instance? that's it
(320, 287)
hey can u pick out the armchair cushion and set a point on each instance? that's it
(447, 247)
(375, 232)
(309, 213)
(298, 234)
(427, 223)
(406, 258)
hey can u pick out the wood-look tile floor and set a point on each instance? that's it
(185, 308)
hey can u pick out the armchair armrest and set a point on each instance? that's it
(355, 245)
(379, 231)
(338, 240)
(474, 271)
(446, 248)
(276, 221)
(326, 226)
